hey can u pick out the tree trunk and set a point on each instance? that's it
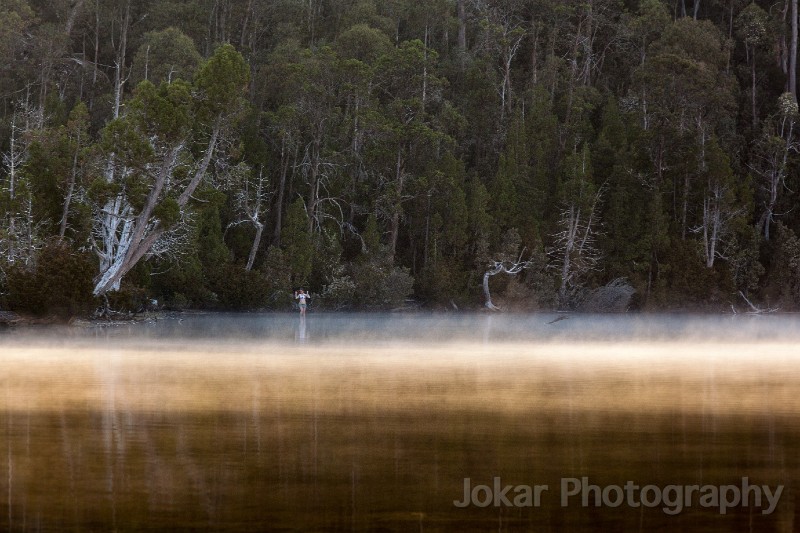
(783, 49)
(138, 235)
(73, 14)
(276, 236)
(753, 90)
(685, 208)
(68, 198)
(793, 53)
(569, 245)
(120, 61)
(395, 226)
(247, 14)
(534, 53)
(256, 244)
(96, 51)
(486, 294)
(183, 199)
(313, 192)
(462, 31)
(425, 69)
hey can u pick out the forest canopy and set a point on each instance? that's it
(219, 154)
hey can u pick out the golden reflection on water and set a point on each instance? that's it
(342, 437)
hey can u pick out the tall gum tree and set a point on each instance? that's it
(406, 132)
(772, 157)
(690, 98)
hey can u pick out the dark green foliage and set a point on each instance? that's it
(379, 285)
(181, 284)
(237, 288)
(297, 246)
(276, 272)
(59, 283)
(685, 282)
(392, 160)
(783, 287)
(165, 55)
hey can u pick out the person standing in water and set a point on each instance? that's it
(302, 296)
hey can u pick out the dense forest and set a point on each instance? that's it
(219, 154)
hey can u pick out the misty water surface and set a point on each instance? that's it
(371, 422)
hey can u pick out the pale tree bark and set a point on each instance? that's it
(462, 32)
(425, 69)
(119, 64)
(782, 59)
(588, 44)
(314, 159)
(248, 14)
(394, 229)
(114, 213)
(13, 245)
(68, 196)
(498, 267)
(711, 225)
(509, 54)
(251, 204)
(504, 32)
(96, 61)
(256, 244)
(575, 250)
(126, 238)
(573, 79)
(717, 216)
(73, 14)
(772, 166)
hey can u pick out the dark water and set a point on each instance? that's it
(373, 422)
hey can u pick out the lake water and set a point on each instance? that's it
(378, 422)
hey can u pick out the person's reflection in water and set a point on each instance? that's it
(301, 335)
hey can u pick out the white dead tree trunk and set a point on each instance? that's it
(150, 200)
(500, 267)
(113, 223)
(126, 236)
(252, 199)
(12, 160)
(78, 128)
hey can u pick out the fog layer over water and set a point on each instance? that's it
(374, 422)
(420, 327)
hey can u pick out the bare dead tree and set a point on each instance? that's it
(754, 310)
(511, 268)
(18, 232)
(718, 213)
(251, 199)
(576, 251)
